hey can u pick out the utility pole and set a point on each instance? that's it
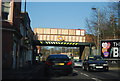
(98, 29)
(113, 25)
(25, 6)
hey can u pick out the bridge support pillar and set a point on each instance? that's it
(81, 48)
(90, 47)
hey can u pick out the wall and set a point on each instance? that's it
(7, 49)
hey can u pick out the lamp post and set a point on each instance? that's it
(113, 21)
(25, 6)
(98, 28)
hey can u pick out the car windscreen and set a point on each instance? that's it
(95, 58)
(58, 57)
(77, 60)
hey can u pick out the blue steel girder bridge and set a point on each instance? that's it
(62, 37)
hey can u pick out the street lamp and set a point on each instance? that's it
(25, 6)
(98, 28)
(113, 21)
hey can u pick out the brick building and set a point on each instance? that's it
(10, 33)
(26, 48)
(15, 29)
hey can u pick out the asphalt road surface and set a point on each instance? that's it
(78, 73)
(37, 73)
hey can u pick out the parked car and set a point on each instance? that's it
(77, 63)
(95, 63)
(58, 63)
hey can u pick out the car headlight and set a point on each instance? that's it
(92, 64)
(105, 64)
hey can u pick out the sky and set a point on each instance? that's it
(68, 15)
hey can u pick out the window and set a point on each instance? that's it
(58, 57)
(53, 31)
(82, 32)
(55, 38)
(80, 39)
(59, 31)
(40, 37)
(52, 37)
(48, 37)
(44, 37)
(71, 32)
(74, 38)
(65, 31)
(77, 32)
(77, 38)
(40, 31)
(70, 38)
(5, 10)
(46, 31)
(66, 38)
(95, 58)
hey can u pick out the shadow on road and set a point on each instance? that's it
(36, 72)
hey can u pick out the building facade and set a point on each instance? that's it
(10, 33)
(26, 48)
(16, 31)
(55, 34)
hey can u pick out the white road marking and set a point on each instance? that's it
(81, 73)
(96, 79)
(86, 75)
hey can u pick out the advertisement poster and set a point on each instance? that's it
(110, 48)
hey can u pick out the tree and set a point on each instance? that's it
(107, 20)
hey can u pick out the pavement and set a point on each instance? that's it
(114, 68)
(20, 73)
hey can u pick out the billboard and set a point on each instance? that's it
(110, 48)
